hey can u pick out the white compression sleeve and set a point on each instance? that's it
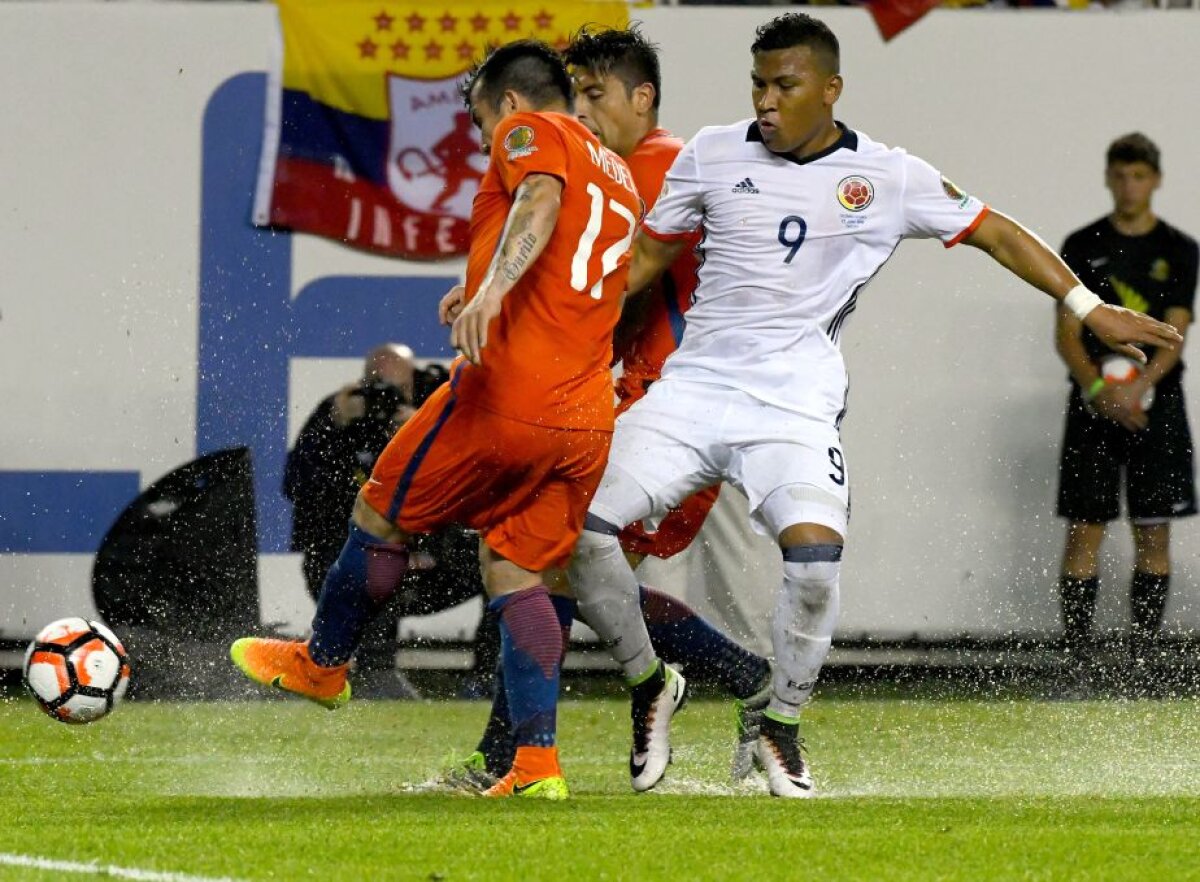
(607, 591)
(806, 612)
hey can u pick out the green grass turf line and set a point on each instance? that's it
(912, 790)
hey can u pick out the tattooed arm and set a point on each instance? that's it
(530, 224)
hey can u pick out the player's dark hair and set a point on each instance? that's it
(527, 67)
(799, 29)
(624, 53)
(1134, 147)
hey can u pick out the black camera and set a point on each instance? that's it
(382, 399)
(426, 380)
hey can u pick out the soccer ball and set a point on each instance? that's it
(1118, 369)
(77, 670)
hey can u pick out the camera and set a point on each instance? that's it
(382, 399)
(426, 380)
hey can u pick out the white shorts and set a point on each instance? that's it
(684, 436)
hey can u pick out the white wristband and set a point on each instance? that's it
(1081, 301)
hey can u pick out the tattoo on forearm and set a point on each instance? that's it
(512, 267)
(521, 241)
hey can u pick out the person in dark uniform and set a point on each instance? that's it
(1137, 426)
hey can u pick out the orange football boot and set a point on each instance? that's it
(286, 665)
(535, 775)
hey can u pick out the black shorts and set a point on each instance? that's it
(1157, 462)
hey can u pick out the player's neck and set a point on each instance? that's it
(549, 107)
(1137, 224)
(822, 139)
(638, 135)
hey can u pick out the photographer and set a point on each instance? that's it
(332, 457)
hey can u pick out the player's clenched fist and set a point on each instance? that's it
(452, 304)
(469, 333)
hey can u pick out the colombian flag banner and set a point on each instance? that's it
(366, 140)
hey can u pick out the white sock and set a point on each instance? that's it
(806, 612)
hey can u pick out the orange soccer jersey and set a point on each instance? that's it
(644, 355)
(515, 447)
(548, 353)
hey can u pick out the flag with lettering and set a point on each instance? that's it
(366, 139)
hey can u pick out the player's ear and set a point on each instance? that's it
(643, 98)
(833, 90)
(510, 102)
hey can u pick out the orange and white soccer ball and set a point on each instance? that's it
(77, 670)
(1118, 369)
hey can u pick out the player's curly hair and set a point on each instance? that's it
(1134, 147)
(799, 29)
(528, 67)
(624, 52)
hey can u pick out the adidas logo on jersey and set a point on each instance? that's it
(745, 186)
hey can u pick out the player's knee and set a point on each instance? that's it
(366, 518)
(804, 514)
(598, 539)
(556, 580)
(593, 523)
(811, 573)
(620, 499)
(596, 552)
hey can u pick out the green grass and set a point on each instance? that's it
(920, 789)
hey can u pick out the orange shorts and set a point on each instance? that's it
(525, 488)
(681, 525)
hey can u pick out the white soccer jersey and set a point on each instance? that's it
(788, 245)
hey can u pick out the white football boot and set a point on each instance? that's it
(777, 752)
(651, 715)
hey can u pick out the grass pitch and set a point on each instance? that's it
(910, 789)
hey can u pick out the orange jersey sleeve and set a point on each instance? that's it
(644, 355)
(548, 352)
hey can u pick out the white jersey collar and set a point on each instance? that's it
(847, 141)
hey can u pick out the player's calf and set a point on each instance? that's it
(806, 612)
(363, 578)
(801, 633)
(498, 746)
(682, 636)
(531, 649)
(607, 593)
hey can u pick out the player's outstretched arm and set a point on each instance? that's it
(1021, 252)
(530, 224)
(651, 257)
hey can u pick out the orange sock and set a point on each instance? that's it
(536, 763)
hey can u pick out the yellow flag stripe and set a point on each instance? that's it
(341, 51)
